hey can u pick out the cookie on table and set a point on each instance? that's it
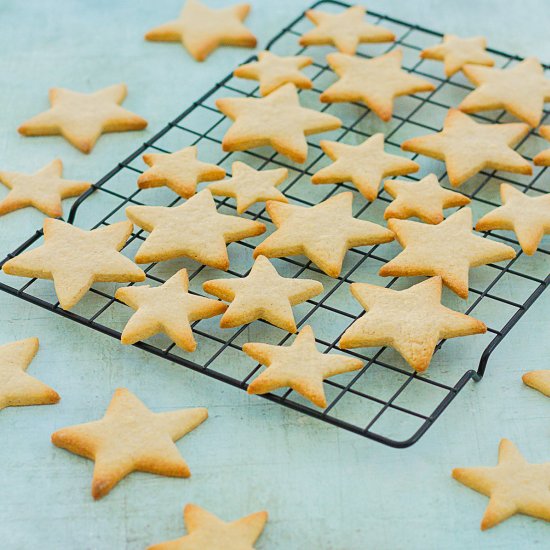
(539, 380)
(130, 438)
(543, 158)
(82, 117)
(202, 29)
(467, 147)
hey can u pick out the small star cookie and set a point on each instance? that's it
(17, 388)
(543, 158)
(448, 250)
(520, 90)
(425, 199)
(468, 147)
(76, 259)
(375, 82)
(202, 29)
(168, 308)
(180, 171)
(412, 321)
(455, 52)
(194, 229)
(262, 294)
(364, 165)
(323, 233)
(277, 120)
(528, 217)
(44, 189)
(81, 118)
(345, 30)
(208, 532)
(513, 486)
(250, 186)
(539, 380)
(272, 71)
(300, 366)
(130, 438)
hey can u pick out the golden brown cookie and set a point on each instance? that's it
(75, 259)
(376, 82)
(277, 120)
(130, 438)
(468, 147)
(202, 29)
(323, 232)
(262, 294)
(81, 118)
(539, 380)
(543, 158)
(513, 486)
(300, 366)
(364, 165)
(449, 250)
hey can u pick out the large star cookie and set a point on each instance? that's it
(300, 366)
(81, 118)
(412, 321)
(44, 189)
(17, 388)
(272, 71)
(208, 532)
(277, 120)
(375, 82)
(539, 380)
(528, 217)
(513, 486)
(448, 250)
(521, 90)
(202, 29)
(262, 294)
(345, 30)
(323, 232)
(543, 158)
(425, 199)
(180, 171)
(364, 165)
(194, 229)
(130, 438)
(76, 259)
(468, 147)
(168, 308)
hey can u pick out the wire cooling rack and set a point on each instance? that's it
(385, 400)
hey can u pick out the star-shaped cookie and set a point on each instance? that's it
(180, 171)
(455, 52)
(194, 229)
(345, 30)
(300, 366)
(44, 189)
(76, 259)
(468, 147)
(543, 158)
(375, 82)
(364, 165)
(208, 532)
(17, 388)
(130, 438)
(168, 308)
(272, 71)
(539, 380)
(81, 118)
(412, 321)
(249, 186)
(262, 294)
(528, 217)
(520, 90)
(323, 233)
(277, 120)
(425, 199)
(448, 250)
(202, 29)
(513, 486)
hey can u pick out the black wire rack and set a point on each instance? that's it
(385, 401)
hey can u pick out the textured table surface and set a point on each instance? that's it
(323, 488)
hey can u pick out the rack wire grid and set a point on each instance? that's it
(385, 400)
